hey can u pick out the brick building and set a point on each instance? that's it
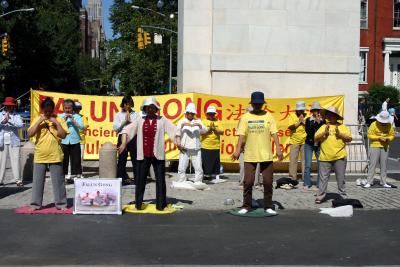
(379, 43)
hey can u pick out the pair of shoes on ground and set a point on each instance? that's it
(368, 185)
(269, 211)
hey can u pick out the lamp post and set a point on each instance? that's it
(148, 9)
(18, 10)
(170, 50)
(171, 16)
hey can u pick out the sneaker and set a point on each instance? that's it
(243, 211)
(271, 211)
(367, 185)
(387, 186)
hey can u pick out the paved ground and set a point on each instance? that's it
(203, 233)
(201, 237)
(213, 199)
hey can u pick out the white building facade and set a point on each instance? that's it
(285, 48)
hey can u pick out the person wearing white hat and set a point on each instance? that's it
(150, 131)
(380, 133)
(312, 124)
(189, 130)
(333, 138)
(210, 145)
(143, 113)
(297, 138)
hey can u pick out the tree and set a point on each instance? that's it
(377, 94)
(141, 72)
(44, 47)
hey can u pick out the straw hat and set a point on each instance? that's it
(333, 110)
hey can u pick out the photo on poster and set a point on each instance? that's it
(97, 196)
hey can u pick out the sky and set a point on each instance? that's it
(106, 22)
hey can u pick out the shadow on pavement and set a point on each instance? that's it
(8, 191)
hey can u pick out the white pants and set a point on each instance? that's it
(14, 159)
(184, 158)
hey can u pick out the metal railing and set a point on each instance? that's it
(357, 149)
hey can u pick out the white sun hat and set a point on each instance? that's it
(383, 117)
(300, 105)
(315, 105)
(191, 108)
(149, 101)
(211, 109)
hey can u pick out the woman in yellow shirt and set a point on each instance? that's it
(210, 144)
(255, 131)
(380, 133)
(47, 130)
(333, 138)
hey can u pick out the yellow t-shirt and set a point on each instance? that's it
(47, 144)
(299, 135)
(333, 148)
(376, 131)
(211, 140)
(257, 130)
(82, 132)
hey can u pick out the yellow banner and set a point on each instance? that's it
(101, 110)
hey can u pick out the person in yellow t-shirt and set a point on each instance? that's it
(380, 133)
(47, 130)
(255, 130)
(333, 138)
(297, 140)
(210, 145)
(82, 133)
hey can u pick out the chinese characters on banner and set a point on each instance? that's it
(101, 110)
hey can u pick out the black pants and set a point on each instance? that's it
(131, 148)
(161, 188)
(73, 153)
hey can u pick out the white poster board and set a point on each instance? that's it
(97, 196)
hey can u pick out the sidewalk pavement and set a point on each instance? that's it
(213, 199)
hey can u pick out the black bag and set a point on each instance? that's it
(285, 180)
(348, 201)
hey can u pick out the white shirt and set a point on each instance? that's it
(190, 135)
(120, 119)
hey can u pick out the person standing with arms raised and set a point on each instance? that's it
(298, 136)
(47, 130)
(10, 123)
(71, 143)
(255, 131)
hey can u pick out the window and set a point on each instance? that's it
(363, 65)
(396, 14)
(364, 14)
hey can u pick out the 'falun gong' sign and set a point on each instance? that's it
(97, 196)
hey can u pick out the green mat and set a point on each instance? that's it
(257, 213)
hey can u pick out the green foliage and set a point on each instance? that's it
(377, 94)
(141, 72)
(44, 46)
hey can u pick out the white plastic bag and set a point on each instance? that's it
(343, 211)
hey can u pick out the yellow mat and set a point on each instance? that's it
(148, 208)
